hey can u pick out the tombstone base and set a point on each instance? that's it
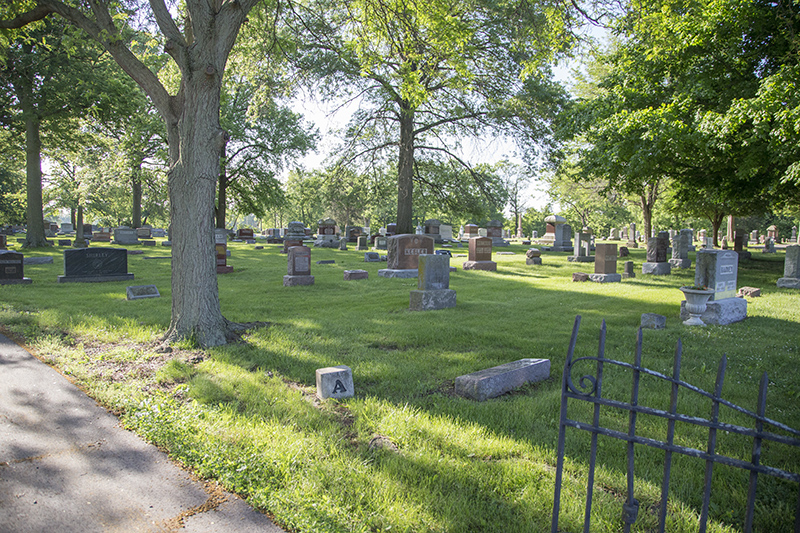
(657, 269)
(605, 278)
(224, 269)
(166, 243)
(632, 244)
(46, 260)
(581, 259)
(432, 300)
(498, 380)
(720, 312)
(789, 283)
(19, 281)
(398, 273)
(351, 275)
(94, 279)
(359, 248)
(533, 261)
(138, 292)
(292, 281)
(334, 382)
(479, 265)
(680, 263)
(653, 321)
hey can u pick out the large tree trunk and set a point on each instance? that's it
(222, 196)
(195, 143)
(405, 172)
(136, 201)
(33, 169)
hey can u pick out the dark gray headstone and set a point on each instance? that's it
(12, 268)
(498, 380)
(95, 264)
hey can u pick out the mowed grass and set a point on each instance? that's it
(406, 453)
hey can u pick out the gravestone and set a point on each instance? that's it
(294, 236)
(343, 244)
(221, 251)
(143, 233)
(769, 246)
(533, 257)
(657, 263)
(90, 265)
(632, 236)
(403, 253)
(493, 382)
(326, 234)
(351, 275)
(334, 382)
(299, 271)
(480, 255)
(433, 284)
(791, 269)
(66, 227)
(125, 236)
(3, 244)
(244, 234)
(432, 228)
(739, 243)
(372, 257)
(139, 292)
(613, 235)
(494, 230)
(583, 245)
(627, 270)
(470, 230)
(88, 230)
(352, 233)
(380, 243)
(605, 264)
(794, 235)
(446, 232)
(772, 232)
(680, 251)
(653, 321)
(12, 268)
(558, 234)
(362, 243)
(158, 232)
(391, 229)
(101, 236)
(623, 251)
(718, 270)
(753, 237)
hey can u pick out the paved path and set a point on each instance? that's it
(66, 465)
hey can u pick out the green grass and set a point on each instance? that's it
(245, 414)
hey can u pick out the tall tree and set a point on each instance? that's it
(199, 45)
(429, 73)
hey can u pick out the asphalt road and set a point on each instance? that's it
(67, 465)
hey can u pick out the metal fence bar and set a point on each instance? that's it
(712, 442)
(593, 456)
(756, 457)
(563, 426)
(673, 408)
(631, 508)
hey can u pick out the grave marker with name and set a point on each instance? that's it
(12, 268)
(480, 255)
(403, 255)
(718, 270)
(299, 267)
(605, 264)
(92, 265)
(791, 269)
(125, 236)
(433, 285)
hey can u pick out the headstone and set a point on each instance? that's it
(772, 232)
(372, 257)
(433, 284)
(769, 246)
(221, 251)
(351, 275)
(158, 232)
(125, 236)
(139, 292)
(794, 234)
(101, 236)
(391, 229)
(482, 232)
(623, 251)
(66, 227)
(558, 234)
(432, 228)
(143, 233)
(362, 243)
(64, 242)
(88, 265)
(791, 269)
(494, 230)
(88, 230)
(294, 236)
(680, 251)
(493, 382)
(480, 255)
(470, 230)
(582, 254)
(613, 235)
(605, 265)
(12, 268)
(343, 244)
(244, 233)
(754, 236)
(326, 262)
(380, 243)
(446, 232)
(627, 270)
(334, 382)
(653, 321)
(534, 234)
(403, 253)
(632, 236)
(3, 244)
(299, 272)
(580, 276)
(718, 270)
(748, 292)
(657, 263)
(533, 257)
(44, 260)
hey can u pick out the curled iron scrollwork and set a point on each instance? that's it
(587, 384)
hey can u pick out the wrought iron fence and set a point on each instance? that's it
(590, 389)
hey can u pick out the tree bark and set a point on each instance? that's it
(35, 236)
(136, 200)
(222, 196)
(405, 172)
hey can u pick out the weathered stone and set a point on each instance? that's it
(627, 270)
(12, 268)
(580, 276)
(653, 321)
(351, 275)
(721, 312)
(749, 292)
(372, 257)
(498, 380)
(605, 278)
(623, 251)
(657, 269)
(89, 265)
(404, 250)
(605, 259)
(717, 270)
(138, 292)
(335, 382)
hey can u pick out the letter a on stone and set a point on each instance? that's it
(339, 387)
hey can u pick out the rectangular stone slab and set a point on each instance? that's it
(498, 380)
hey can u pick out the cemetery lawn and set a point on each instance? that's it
(406, 453)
